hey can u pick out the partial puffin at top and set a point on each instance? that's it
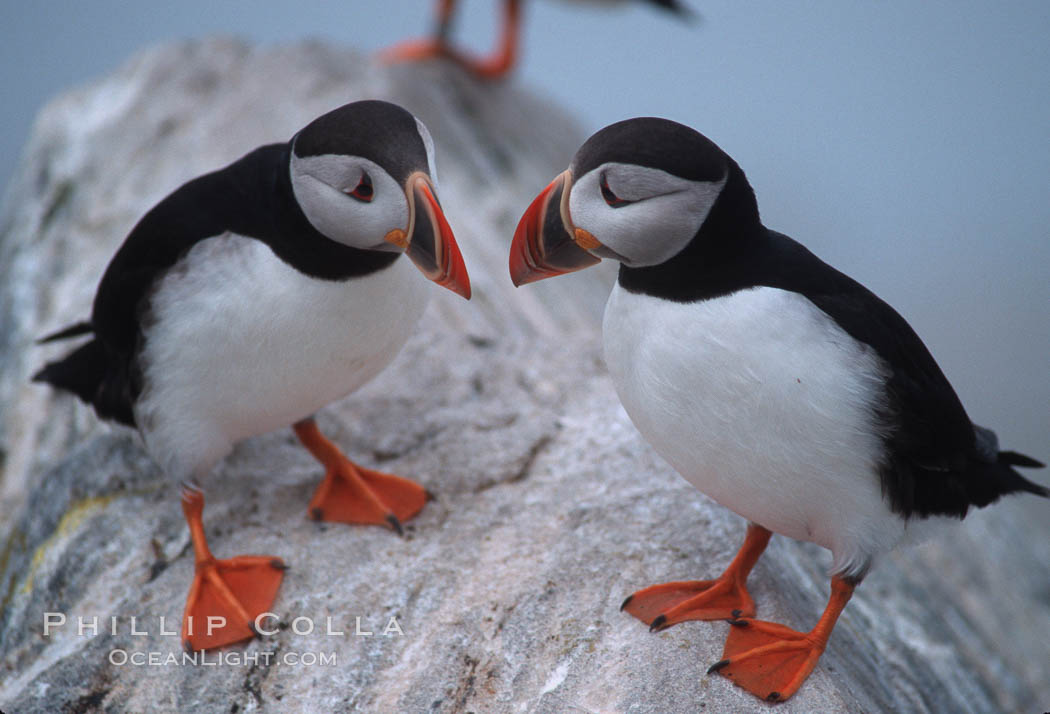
(502, 61)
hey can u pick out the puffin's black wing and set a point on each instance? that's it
(937, 461)
(238, 198)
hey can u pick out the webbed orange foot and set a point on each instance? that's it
(725, 598)
(353, 494)
(772, 661)
(226, 595)
(661, 606)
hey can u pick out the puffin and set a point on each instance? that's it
(249, 298)
(775, 384)
(500, 63)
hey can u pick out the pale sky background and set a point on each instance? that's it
(905, 142)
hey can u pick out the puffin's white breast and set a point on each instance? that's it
(239, 343)
(765, 404)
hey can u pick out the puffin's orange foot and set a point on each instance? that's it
(495, 67)
(725, 598)
(769, 660)
(661, 606)
(772, 661)
(353, 494)
(414, 51)
(225, 598)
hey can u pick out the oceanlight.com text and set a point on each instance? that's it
(122, 658)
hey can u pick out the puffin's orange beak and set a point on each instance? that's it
(429, 242)
(545, 243)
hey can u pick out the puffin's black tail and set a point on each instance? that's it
(992, 474)
(1015, 459)
(89, 372)
(80, 372)
(81, 328)
(1008, 459)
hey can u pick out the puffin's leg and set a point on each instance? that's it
(444, 24)
(353, 494)
(771, 661)
(500, 63)
(226, 595)
(495, 66)
(726, 597)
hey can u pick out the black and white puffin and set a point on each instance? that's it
(253, 296)
(497, 65)
(775, 384)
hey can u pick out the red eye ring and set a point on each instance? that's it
(363, 191)
(611, 198)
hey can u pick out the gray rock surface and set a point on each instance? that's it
(550, 507)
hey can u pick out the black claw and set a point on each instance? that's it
(316, 514)
(429, 494)
(736, 622)
(736, 614)
(718, 666)
(278, 564)
(657, 623)
(187, 647)
(773, 697)
(626, 602)
(395, 524)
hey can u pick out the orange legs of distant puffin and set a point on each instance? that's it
(495, 66)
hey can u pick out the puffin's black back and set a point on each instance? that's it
(102, 372)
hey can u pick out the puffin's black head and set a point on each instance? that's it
(363, 175)
(638, 191)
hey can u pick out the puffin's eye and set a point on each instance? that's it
(611, 198)
(363, 191)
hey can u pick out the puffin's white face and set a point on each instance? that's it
(641, 216)
(350, 199)
(613, 201)
(355, 201)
